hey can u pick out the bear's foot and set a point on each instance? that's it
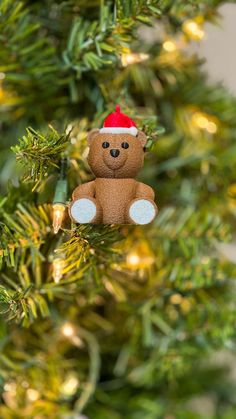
(83, 210)
(142, 211)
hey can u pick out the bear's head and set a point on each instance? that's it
(116, 155)
(117, 149)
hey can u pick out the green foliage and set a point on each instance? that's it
(147, 307)
(40, 153)
(21, 35)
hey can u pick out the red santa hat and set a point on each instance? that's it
(119, 123)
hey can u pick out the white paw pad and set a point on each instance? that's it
(142, 211)
(83, 210)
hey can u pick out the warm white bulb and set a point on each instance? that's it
(69, 128)
(211, 128)
(68, 330)
(70, 385)
(193, 30)
(169, 46)
(58, 215)
(57, 269)
(133, 58)
(10, 387)
(32, 394)
(203, 121)
(133, 259)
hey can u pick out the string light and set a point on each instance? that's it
(9, 394)
(57, 269)
(85, 152)
(58, 216)
(211, 128)
(69, 128)
(169, 46)
(70, 385)
(180, 301)
(193, 30)
(140, 258)
(32, 394)
(133, 259)
(59, 201)
(11, 387)
(130, 58)
(176, 299)
(68, 330)
(205, 122)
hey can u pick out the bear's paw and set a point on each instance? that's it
(83, 210)
(142, 211)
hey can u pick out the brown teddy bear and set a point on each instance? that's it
(116, 154)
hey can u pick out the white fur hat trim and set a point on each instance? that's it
(119, 130)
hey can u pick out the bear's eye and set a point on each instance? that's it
(125, 145)
(105, 144)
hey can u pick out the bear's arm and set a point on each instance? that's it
(144, 191)
(85, 190)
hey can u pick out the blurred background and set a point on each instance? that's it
(128, 322)
(217, 48)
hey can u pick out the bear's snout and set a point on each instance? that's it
(114, 152)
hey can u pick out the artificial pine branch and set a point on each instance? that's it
(149, 304)
(40, 153)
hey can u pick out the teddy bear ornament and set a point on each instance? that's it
(116, 154)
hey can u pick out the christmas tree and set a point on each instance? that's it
(102, 321)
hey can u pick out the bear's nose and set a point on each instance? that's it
(114, 152)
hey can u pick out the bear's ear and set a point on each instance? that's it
(92, 134)
(142, 138)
